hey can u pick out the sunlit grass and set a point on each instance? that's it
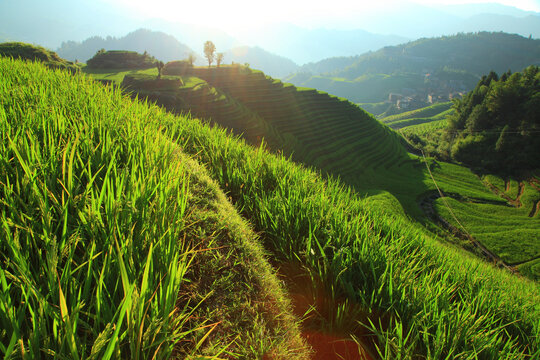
(417, 297)
(93, 209)
(388, 268)
(114, 244)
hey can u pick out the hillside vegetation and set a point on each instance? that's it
(430, 66)
(376, 164)
(24, 51)
(493, 121)
(311, 126)
(121, 59)
(476, 53)
(427, 114)
(493, 130)
(114, 242)
(81, 167)
(489, 124)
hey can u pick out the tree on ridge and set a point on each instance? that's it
(219, 58)
(159, 66)
(209, 51)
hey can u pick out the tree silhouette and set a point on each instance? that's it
(159, 66)
(209, 52)
(219, 58)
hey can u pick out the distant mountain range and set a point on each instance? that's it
(329, 65)
(158, 44)
(51, 23)
(415, 21)
(306, 45)
(167, 48)
(476, 53)
(441, 66)
(257, 58)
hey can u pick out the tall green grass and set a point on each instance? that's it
(93, 207)
(419, 297)
(113, 243)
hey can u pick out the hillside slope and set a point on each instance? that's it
(322, 131)
(114, 243)
(29, 52)
(428, 66)
(327, 132)
(475, 53)
(361, 264)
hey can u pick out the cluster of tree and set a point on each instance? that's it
(497, 125)
(121, 59)
(210, 54)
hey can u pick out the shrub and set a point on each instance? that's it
(179, 67)
(121, 60)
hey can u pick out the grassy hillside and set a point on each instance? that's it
(509, 227)
(121, 59)
(330, 134)
(368, 88)
(334, 135)
(24, 51)
(311, 126)
(419, 298)
(114, 242)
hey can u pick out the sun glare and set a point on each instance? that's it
(240, 17)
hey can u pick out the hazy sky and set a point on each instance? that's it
(247, 13)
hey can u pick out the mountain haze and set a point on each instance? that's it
(307, 45)
(160, 45)
(258, 58)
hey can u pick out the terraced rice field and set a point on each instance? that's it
(512, 231)
(338, 138)
(426, 115)
(331, 133)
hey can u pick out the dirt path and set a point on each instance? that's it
(535, 209)
(514, 202)
(308, 303)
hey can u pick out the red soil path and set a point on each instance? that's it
(329, 347)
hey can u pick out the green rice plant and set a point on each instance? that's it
(106, 225)
(430, 111)
(387, 266)
(92, 209)
(424, 298)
